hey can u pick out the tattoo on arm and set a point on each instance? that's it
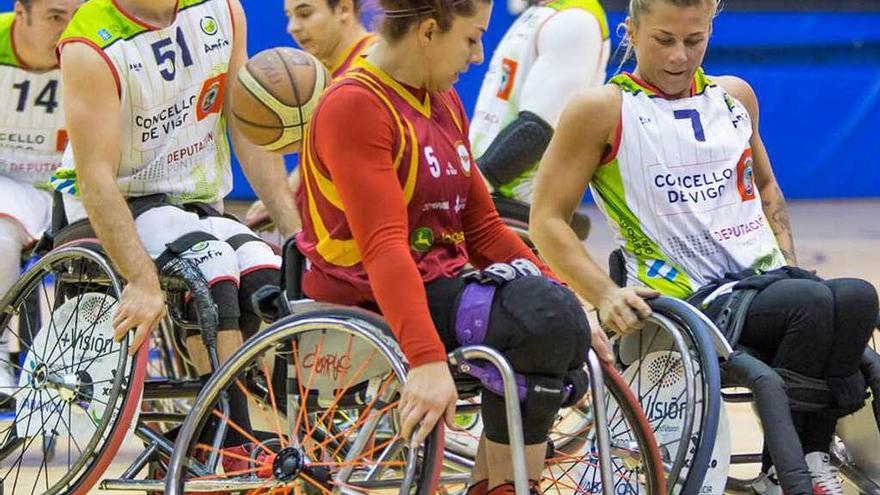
(777, 215)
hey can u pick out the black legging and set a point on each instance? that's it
(818, 329)
(538, 326)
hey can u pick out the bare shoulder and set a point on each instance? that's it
(595, 110)
(738, 88)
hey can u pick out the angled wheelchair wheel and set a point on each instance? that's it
(77, 390)
(672, 368)
(572, 460)
(322, 388)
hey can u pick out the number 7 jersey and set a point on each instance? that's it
(32, 135)
(171, 83)
(679, 190)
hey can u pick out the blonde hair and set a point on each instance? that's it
(637, 8)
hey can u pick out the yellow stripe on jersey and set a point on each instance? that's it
(339, 252)
(424, 107)
(591, 6)
(412, 173)
(627, 83)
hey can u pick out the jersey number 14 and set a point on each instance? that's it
(47, 98)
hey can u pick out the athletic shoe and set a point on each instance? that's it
(825, 479)
(767, 483)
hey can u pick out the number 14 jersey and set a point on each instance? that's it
(171, 83)
(32, 135)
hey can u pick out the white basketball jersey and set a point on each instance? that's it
(499, 102)
(32, 136)
(680, 190)
(172, 83)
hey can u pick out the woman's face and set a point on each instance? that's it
(448, 55)
(315, 26)
(670, 43)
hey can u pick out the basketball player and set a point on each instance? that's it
(145, 85)
(391, 218)
(677, 164)
(32, 135)
(332, 31)
(553, 49)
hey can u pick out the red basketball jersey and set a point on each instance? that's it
(433, 162)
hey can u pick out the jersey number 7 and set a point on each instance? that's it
(694, 117)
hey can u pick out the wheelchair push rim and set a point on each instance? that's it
(323, 422)
(76, 386)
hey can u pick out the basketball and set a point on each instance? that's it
(274, 95)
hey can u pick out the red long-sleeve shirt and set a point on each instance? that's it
(411, 201)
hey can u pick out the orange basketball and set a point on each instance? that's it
(274, 95)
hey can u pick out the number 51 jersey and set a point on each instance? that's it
(32, 135)
(171, 83)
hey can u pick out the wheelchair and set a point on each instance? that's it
(320, 405)
(79, 391)
(858, 435)
(331, 376)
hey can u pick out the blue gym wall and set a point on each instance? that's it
(817, 77)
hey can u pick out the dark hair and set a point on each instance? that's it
(400, 15)
(27, 4)
(355, 3)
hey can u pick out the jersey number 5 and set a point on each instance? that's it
(166, 56)
(694, 117)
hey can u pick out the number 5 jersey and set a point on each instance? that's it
(32, 136)
(678, 188)
(171, 83)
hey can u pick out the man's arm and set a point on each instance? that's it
(570, 49)
(92, 112)
(772, 200)
(265, 171)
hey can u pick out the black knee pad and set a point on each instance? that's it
(547, 330)
(577, 383)
(225, 295)
(543, 400)
(251, 282)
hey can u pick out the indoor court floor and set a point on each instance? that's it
(836, 238)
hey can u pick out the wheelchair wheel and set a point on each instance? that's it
(669, 361)
(322, 389)
(572, 461)
(77, 389)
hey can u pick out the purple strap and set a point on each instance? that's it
(474, 307)
(471, 325)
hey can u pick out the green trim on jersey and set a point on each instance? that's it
(608, 183)
(185, 4)
(100, 22)
(7, 54)
(591, 6)
(626, 82)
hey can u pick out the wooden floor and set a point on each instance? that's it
(838, 239)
